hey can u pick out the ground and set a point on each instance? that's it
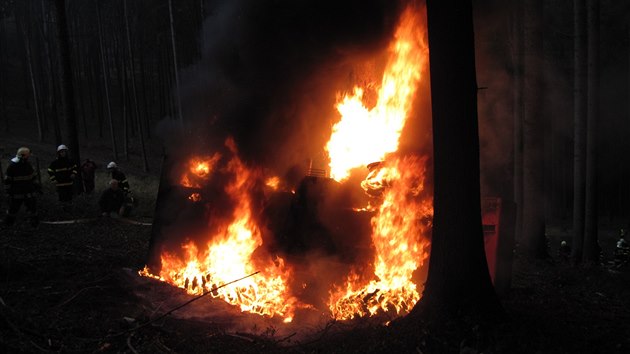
(74, 288)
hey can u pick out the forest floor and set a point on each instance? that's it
(74, 288)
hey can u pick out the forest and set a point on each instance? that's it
(359, 176)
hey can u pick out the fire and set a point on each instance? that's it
(400, 231)
(229, 253)
(273, 182)
(364, 135)
(199, 170)
(400, 226)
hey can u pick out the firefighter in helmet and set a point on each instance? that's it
(62, 172)
(21, 184)
(123, 185)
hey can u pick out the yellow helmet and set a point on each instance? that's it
(23, 153)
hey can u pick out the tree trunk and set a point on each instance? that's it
(3, 107)
(534, 240)
(176, 76)
(29, 62)
(518, 115)
(458, 281)
(591, 245)
(72, 135)
(79, 79)
(108, 104)
(122, 81)
(52, 77)
(579, 125)
(145, 163)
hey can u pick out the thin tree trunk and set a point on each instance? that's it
(134, 96)
(3, 107)
(79, 79)
(533, 134)
(29, 63)
(146, 91)
(68, 87)
(579, 124)
(108, 104)
(122, 79)
(176, 76)
(591, 246)
(518, 116)
(52, 77)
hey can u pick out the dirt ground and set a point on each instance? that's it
(74, 288)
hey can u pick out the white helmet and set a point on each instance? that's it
(61, 147)
(112, 165)
(23, 153)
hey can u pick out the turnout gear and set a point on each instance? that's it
(119, 176)
(62, 172)
(20, 181)
(113, 200)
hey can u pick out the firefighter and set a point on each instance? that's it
(118, 175)
(622, 251)
(62, 173)
(112, 201)
(123, 184)
(21, 184)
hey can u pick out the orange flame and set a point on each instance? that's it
(366, 135)
(400, 226)
(400, 234)
(228, 255)
(199, 169)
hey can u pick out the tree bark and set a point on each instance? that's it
(176, 75)
(134, 95)
(29, 62)
(534, 240)
(591, 245)
(579, 125)
(108, 104)
(3, 107)
(517, 55)
(458, 281)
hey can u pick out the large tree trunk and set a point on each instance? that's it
(534, 240)
(177, 96)
(134, 95)
(579, 125)
(52, 77)
(108, 105)
(72, 136)
(458, 280)
(591, 246)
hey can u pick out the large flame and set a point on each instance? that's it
(403, 210)
(400, 232)
(365, 135)
(229, 255)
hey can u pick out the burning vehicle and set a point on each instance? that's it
(346, 237)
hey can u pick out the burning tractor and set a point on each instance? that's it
(348, 239)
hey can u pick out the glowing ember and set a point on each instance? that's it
(366, 135)
(228, 255)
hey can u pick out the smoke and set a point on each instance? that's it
(270, 71)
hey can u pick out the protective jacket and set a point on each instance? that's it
(62, 171)
(20, 181)
(122, 180)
